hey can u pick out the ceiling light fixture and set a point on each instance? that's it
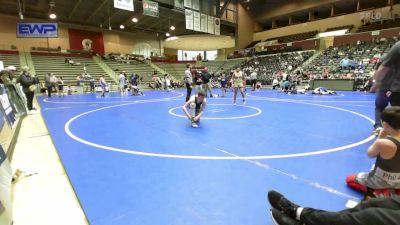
(20, 7)
(21, 16)
(135, 20)
(53, 16)
(122, 27)
(172, 28)
(167, 34)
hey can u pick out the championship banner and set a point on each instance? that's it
(203, 23)
(189, 19)
(188, 3)
(5, 103)
(86, 40)
(178, 4)
(124, 4)
(196, 21)
(210, 24)
(150, 8)
(196, 5)
(217, 26)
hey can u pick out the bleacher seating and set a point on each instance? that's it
(295, 37)
(345, 27)
(252, 44)
(144, 70)
(175, 69)
(54, 63)
(379, 25)
(327, 65)
(268, 65)
(10, 58)
(232, 64)
(214, 66)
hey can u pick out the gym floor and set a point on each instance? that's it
(137, 160)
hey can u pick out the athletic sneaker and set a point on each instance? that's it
(194, 125)
(279, 202)
(280, 218)
(244, 102)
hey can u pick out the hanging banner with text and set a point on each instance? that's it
(187, 3)
(196, 5)
(189, 19)
(37, 30)
(124, 4)
(196, 21)
(203, 23)
(150, 8)
(217, 26)
(210, 24)
(178, 4)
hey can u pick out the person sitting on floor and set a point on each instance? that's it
(197, 104)
(384, 179)
(378, 211)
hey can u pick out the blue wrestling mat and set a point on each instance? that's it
(136, 160)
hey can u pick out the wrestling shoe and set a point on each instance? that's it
(194, 125)
(244, 102)
(280, 203)
(279, 218)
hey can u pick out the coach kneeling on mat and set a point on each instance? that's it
(197, 104)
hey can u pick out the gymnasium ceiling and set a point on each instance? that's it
(265, 11)
(99, 13)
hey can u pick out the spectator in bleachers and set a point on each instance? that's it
(345, 63)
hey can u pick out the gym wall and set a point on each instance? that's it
(321, 25)
(113, 41)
